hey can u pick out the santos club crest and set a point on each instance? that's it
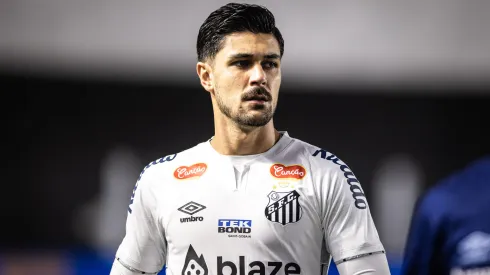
(283, 207)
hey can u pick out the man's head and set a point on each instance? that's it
(239, 51)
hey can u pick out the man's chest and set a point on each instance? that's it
(274, 205)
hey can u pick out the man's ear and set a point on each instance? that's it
(205, 73)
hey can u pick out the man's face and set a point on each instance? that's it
(247, 77)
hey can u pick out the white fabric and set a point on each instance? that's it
(319, 205)
(375, 264)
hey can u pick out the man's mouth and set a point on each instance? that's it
(258, 98)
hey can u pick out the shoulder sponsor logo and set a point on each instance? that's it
(284, 207)
(196, 265)
(160, 160)
(191, 208)
(282, 171)
(355, 186)
(235, 228)
(186, 172)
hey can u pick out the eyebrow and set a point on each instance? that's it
(247, 55)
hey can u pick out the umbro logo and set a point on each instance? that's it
(191, 208)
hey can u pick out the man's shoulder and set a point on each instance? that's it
(329, 172)
(161, 166)
(317, 156)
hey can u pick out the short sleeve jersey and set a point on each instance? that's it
(289, 210)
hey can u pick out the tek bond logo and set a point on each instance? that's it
(235, 228)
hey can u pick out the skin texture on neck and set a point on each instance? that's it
(231, 139)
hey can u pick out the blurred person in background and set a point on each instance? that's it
(450, 230)
(251, 199)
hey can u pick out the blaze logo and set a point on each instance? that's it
(185, 172)
(281, 171)
(194, 265)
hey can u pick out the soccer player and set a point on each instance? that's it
(251, 199)
(450, 230)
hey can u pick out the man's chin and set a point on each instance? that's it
(258, 120)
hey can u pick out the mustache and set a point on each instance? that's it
(258, 93)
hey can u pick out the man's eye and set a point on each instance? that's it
(241, 63)
(270, 64)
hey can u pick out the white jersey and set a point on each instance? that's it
(286, 211)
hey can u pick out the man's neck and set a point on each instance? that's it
(232, 140)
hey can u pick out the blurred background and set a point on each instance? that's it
(92, 91)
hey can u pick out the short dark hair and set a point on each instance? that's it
(232, 18)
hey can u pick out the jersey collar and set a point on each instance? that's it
(280, 145)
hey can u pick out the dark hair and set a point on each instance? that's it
(232, 18)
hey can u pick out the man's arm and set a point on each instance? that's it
(143, 248)
(350, 234)
(366, 265)
(119, 268)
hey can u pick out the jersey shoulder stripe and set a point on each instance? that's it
(167, 158)
(331, 172)
(155, 172)
(167, 163)
(321, 159)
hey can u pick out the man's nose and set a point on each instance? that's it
(258, 75)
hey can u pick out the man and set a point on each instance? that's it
(251, 200)
(450, 230)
